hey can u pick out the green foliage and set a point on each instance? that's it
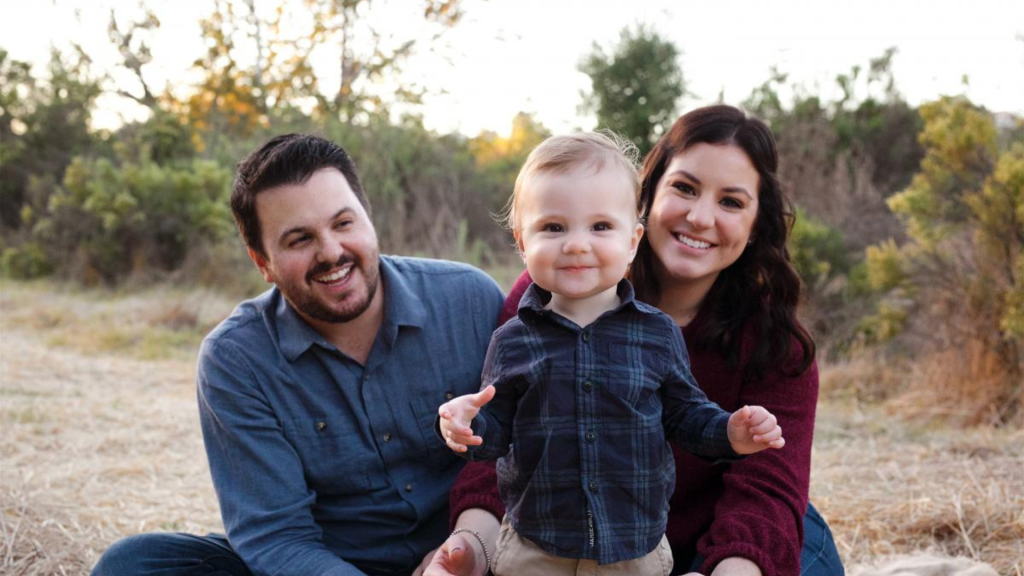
(884, 264)
(998, 208)
(818, 251)
(960, 142)
(163, 139)
(115, 220)
(961, 272)
(1013, 320)
(886, 323)
(25, 262)
(636, 86)
(42, 125)
(842, 158)
(998, 213)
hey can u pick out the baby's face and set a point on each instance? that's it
(578, 230)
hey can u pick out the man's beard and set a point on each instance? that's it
(310, 305)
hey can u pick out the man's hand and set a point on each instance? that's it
(456, 416)
(752, 429)
(456, 557)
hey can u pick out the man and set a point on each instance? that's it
(317, 399)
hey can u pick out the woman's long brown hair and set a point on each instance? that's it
(762, 288)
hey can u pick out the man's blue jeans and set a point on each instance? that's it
(818, 558)
(162, 554)
(188, 555)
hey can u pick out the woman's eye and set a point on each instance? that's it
(683, 187)
(732, 203)
(552, 228)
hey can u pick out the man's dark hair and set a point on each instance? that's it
(287, 159)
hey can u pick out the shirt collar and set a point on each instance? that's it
(402, 307)
(535, 298)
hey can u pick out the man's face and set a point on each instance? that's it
(321, 248)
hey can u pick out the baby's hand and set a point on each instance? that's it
(752, 429)
(457, 414)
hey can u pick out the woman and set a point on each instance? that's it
(714, 258)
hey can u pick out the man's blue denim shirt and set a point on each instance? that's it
(324, 466)
(588, 412)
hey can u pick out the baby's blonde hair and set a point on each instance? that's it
(560, 154)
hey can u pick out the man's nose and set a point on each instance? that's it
(330, 250)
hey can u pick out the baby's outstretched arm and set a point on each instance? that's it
(456, 416)
(752, 429)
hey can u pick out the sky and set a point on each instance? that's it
(507, 56)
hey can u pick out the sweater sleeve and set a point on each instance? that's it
(477, 483)
(759, 515)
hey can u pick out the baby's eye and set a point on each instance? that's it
(602, 226)
(553, 228)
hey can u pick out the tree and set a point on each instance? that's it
(958, 280)
(43, 124)
(131, 42)
(636, 86)
(258, 62)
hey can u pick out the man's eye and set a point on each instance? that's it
(299, 240)
(342, 224)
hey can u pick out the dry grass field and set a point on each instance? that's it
(100, 439)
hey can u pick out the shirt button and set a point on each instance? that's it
(408, 487)
(586, 336)
(387, 436)
(449, 395)
(321, 426)
(593, 486)
(588, 386)
(591, 436)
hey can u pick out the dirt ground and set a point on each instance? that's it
(98, 445)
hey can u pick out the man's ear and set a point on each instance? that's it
(261, 262)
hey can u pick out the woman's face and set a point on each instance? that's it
(702, 215)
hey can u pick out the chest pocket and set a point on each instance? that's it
(631, 374)
(438, 456)
(335, 458)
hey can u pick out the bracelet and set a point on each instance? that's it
(479, 539)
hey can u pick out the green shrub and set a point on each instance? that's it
(25, 262)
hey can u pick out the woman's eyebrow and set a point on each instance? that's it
(732, 189)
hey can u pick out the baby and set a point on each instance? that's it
(582, 389)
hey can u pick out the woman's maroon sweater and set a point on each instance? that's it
(753, 508)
